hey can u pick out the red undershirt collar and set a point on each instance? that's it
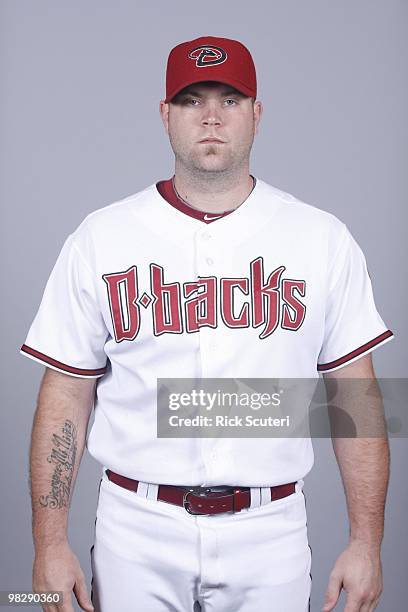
(168, 192)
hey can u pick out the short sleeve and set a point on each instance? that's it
(68, 332)
(352, 326)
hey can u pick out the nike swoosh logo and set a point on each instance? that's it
(206, 218)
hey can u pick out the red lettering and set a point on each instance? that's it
(122, 296)
(288, 288)
(166, 305)
(265, 297)
(200, 310)
(227, 305)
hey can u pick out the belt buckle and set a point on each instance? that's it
(185, 503)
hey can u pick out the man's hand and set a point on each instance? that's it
(358, 570)
(56, 568)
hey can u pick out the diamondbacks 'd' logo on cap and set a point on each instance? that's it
(208, 56)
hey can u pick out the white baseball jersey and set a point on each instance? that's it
(144, 289)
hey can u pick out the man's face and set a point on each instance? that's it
(211, 110)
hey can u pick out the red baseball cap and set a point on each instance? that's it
(210, 58)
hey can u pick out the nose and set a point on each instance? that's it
(211, 114)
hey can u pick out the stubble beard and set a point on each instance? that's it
(212, 163)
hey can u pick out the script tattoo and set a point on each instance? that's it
(62, 457)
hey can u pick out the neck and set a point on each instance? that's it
(213, 192)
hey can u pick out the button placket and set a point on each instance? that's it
(209, 251)
(202, 239)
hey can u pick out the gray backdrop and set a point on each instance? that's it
(80, 128)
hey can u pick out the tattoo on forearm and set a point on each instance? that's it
(63, 453)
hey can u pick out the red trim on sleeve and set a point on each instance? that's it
(59, 364)
(359, 351)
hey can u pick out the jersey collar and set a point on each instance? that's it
(168, 192)
(252, 216)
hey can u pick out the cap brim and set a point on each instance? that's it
(224, 79)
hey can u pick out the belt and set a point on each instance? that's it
(202, 500)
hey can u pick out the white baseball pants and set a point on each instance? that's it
(151, 556)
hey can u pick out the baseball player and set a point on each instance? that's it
(213, 273)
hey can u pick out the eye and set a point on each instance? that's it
(192, 101)
(230, 102)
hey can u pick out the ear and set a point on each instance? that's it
(258, 110)
(164, 109)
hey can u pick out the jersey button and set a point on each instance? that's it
(209, 261)
(206, 236)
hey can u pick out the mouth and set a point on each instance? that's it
(212, 140)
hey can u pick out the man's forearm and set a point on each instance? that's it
(364, 465)
(361, 447)
(57, 444)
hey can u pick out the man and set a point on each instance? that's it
(211, 274)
